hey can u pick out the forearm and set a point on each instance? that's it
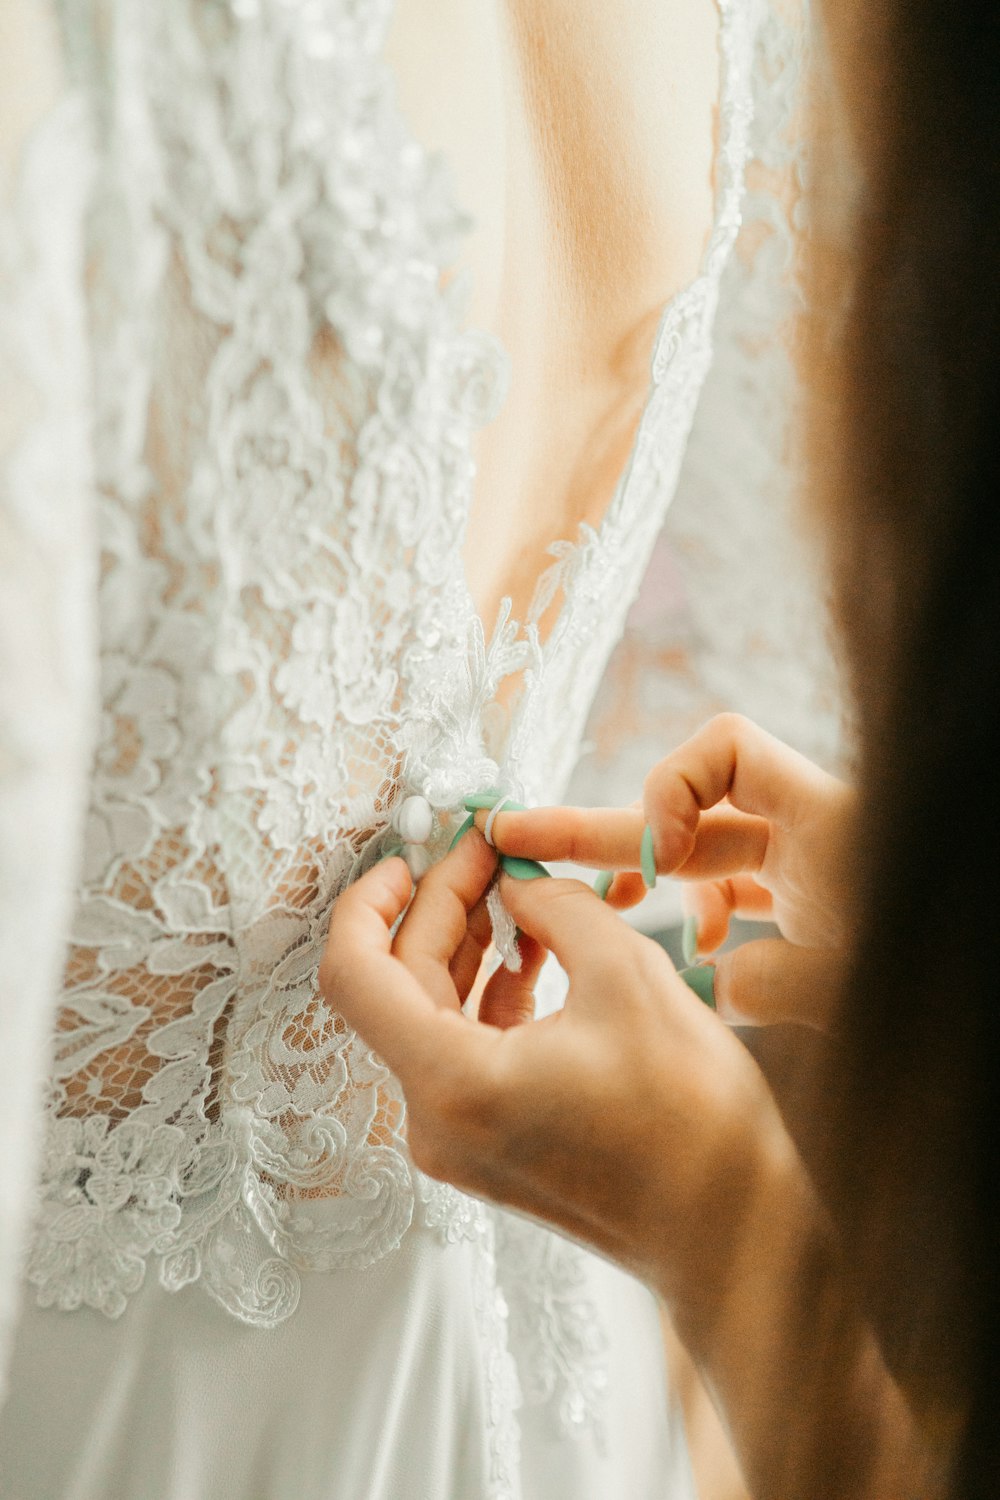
(793, 1366)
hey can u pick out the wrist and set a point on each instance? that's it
(772, 1321)
(751, 1206)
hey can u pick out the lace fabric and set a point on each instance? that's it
(285, 398)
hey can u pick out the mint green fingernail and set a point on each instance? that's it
(470, 822)
(522, 869)
(482, 801)
(701, 979)
(603, 883)
(689, 940)
(486, 801)
(647, 859)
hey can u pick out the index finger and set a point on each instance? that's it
(601, 837)
(609, 838)
(729, 760)
(360, 979)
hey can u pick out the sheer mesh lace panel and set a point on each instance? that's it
(285, 404)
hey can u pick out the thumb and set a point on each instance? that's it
(770, 981)
(360, 979)
(567, 918)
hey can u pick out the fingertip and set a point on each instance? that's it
(396, 872)
(671, 813)
(394, 876)
(533, 955)
(708, 913)
(628, 889)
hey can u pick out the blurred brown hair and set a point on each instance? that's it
(906, 460)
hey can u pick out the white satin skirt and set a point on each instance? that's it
(385, 1384)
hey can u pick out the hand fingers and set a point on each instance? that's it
(714, 903)
(509, 999)
(729, 759)
(437, 922)
(359, 977)
(601, 837)
(626, 890)
(769, 981)
(363, 917)
(609, 838)
(727, 842)
(568, 919)
(464, 967)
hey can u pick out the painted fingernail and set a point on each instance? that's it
(480, 801)
(689, 940)
(522, 869)
(701, 979)
(470, 822)
(603, 883)
(647, 859)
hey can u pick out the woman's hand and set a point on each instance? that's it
(757, 831)
(632, 1118)
(639, 1124)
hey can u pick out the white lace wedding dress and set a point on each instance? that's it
(237, 1284)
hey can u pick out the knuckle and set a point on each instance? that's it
(575, 833)
(340, 968)
(329, 976)
(563, 891)
(732, 725)
(648, 969)
(650, 959)
(656, 779)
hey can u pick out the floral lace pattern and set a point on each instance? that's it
(285, 405)
(555, 1328)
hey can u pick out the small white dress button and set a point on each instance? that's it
(413, 820)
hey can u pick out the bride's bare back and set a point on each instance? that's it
(581, 137)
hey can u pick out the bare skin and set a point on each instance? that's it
(580, 138)
(692, 1181)
(755, 831)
